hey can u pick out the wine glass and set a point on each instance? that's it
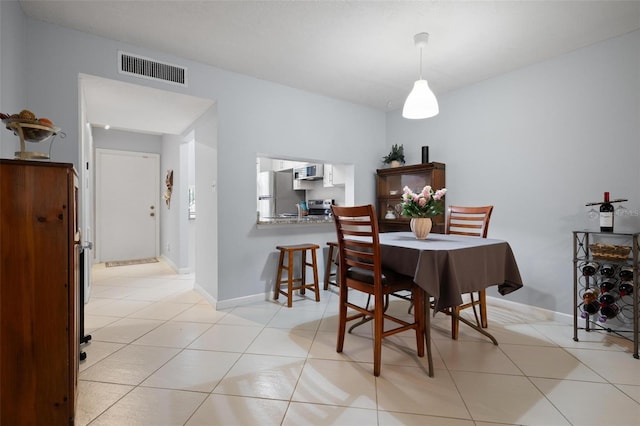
(592, 214)
(621, 211)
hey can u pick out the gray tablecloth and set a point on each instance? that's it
(447, 266)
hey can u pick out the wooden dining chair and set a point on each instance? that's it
(361, 270)
(471, 221)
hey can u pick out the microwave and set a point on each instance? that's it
(309, 172)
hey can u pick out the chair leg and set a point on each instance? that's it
(342, 316)
(483, 308)
(455, 324)
(378, 326)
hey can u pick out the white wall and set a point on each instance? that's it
(538, 144)
(13, 41)
(170, 215)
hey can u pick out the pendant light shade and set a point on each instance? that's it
(421, 102)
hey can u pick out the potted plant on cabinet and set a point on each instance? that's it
(396, 157)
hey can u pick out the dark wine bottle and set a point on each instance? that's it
(606, 286)
(608, 312)
(625, 287)
(590, 308)
(608, 298)
(626, 273)
(607, 270)
(606, 215)
(589, 269)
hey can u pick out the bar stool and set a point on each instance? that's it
(332, 260)
(289, 267)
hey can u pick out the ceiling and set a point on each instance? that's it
(358, 51)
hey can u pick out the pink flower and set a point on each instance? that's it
(439, 194)
(425, 203)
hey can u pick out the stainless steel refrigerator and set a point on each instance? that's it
(276, 196)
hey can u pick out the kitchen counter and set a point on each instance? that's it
(305, 220)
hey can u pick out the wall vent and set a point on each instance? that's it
(140, 66)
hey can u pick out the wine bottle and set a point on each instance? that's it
(625, 287)
(608, 312)
(626, 273)
(606, 215)
(606, 286)
(589, 269)
(608, 298)
(590, 308)
(607, 270)
(590, 303)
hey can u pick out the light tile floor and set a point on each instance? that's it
(161, 355)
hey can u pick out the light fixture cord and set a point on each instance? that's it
(421, 63)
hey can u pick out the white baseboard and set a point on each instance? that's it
(169, 262)
(534, 311)
(209, 298)
(179, 271)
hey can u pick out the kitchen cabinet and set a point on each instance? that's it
(334, 175)
(278, 165)
(389, 184)
(39, 298)
(301, 184)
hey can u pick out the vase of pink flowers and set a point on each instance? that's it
(421, 207)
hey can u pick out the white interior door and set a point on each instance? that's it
(127, 202)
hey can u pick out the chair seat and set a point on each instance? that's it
(389, 278)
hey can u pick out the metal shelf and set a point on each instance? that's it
(582, 255)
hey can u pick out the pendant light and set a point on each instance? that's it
(421, 102)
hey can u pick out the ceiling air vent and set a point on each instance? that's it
(140, 66)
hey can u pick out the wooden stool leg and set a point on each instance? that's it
(327, 270)
(278, 276)
(303, 271)
(290, 280)
(316, 286)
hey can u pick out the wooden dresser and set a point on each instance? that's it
(39, 336)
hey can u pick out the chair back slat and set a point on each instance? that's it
(472, 221)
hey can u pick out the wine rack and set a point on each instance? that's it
(603, 300)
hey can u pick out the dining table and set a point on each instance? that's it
(448, 266)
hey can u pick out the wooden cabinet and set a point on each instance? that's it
(391, 181)
(39, 335)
